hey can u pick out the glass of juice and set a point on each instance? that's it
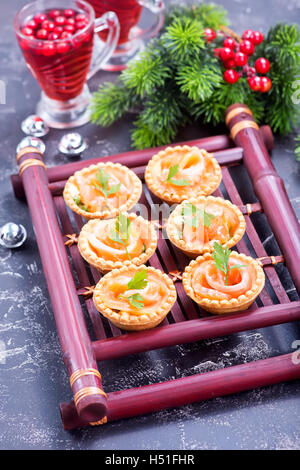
(132, 36)
(57, 41)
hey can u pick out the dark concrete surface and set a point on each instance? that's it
(33, 377)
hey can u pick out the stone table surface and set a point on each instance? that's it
(33, 376)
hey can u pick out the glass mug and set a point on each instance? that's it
(63, 58)
(132, 37)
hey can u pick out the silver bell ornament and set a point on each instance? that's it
(12, 235)
(35, 126)
(72, 144)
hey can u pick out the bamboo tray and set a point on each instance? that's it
(70, 281)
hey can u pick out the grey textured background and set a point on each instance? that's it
(33, 377)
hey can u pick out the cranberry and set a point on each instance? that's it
(48, 25)
(58, 29)
(80, 24)
(60, 20)
(49, 49)
(254, 83)
(40, 17)
(257, 38)
(262, 65)
(27, 31)
(53, 36)
(70, 28)
(54, 13)
(31, 24)
(247, 47)
(266, 84)
(209, 34)
(80, 17)
(62, 47)
(229, 42)
(70, 21)
(248, 34)
(226, 53)
(65, 35)
(231, 76)
(240, 59)
(69, 13)
(41, 34)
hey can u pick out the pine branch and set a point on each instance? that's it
(210, 15)
(184, 39)
(198, 81)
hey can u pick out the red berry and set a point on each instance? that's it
(54, 13)
(60, 20)
(209, 34)
(70, 21)
(240, 59)
(229, 64)
(266, 84)
(251, 71)
(226, 53)
(58, 29)
(70, 28)
(80, 17)
(229, 42)
(31, 24)
(248, 34)
(257, 38)
(217, 52)
(80, 24)
(27, 31)
(48, 25)
(231, 76)
(66, 35)
(40, 17)
(247, 47)
(262, 65)
(42, 34)
(53, 36)
(62, 47)
(49, 49)
(255, 83)
(69, 13)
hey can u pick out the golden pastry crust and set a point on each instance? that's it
(104, 264)
(234, 304)
(175, 221)
(125, 200)
(199, 167)
(134, 319)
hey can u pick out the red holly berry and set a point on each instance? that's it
(217, 52)
(229, 64)
(262, 65)
(49, 48)
(266, 84)
(209, 34)
(248, 34)
(255, 83)
(257, 38)
(247, 47)
(226, 53)
(231, 76)
(229, 42)
(240, 59)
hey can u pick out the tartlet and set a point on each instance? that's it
(111, 296)
(102, 191)
(178, 173)
(196, 224)
(205, 284)
(97, 245)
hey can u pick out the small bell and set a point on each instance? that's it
(72, 144)
(12, 235)
(35, 126)
(31, 141)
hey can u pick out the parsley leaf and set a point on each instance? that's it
(193, 215)
(121, 232)
(173, 170)
(77, 201)
(221, 257)
(139, 281)
(101, 183)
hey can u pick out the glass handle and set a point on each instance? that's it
(107, 21)
(157, 7)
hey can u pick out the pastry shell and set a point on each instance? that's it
(125, 320)
(226, 306)
(105, 265)
(169, 194)
(208, 247)
(70, 191)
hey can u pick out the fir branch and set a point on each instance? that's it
(198, 81)
(184, 38)
(297, 148)
(210, 15)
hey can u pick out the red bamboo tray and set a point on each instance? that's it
(70, 281)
